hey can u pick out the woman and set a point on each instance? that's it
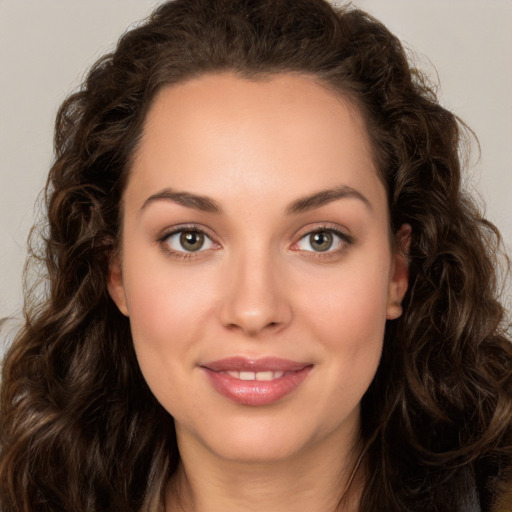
(266, 289)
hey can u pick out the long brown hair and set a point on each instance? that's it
(80, 430)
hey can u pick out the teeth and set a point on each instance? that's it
(264, 376)
(268, 375)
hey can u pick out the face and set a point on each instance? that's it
(256, 267)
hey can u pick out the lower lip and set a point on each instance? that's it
(256, 392)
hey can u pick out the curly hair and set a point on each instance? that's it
(79, 428)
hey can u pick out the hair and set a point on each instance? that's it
(79, 428)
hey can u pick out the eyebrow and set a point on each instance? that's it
(301, 205)
(203, 203)
(324, 197)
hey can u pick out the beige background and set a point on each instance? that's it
(46, 46)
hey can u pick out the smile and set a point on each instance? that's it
(256, 382)
(261, 376)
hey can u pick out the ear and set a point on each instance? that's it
(115, 284)
(399, 279)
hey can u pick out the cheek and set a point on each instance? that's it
(351, 332)
(161, 295)
(347, 315)
(167, 308)
(350, 300)
(167, 317)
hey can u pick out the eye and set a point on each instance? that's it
(188, 240)
(322, 240)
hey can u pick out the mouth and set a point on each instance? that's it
(256, 382)
(261, 376)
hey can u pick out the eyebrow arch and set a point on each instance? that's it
(324, 197)
(203, 203)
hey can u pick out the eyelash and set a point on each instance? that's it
(343, 238)
(184, 254)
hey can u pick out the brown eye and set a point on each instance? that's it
(191, 240)
(321, 241)
(188, 240)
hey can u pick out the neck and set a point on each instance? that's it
(321, 479)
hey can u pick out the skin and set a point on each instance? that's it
(259, 288)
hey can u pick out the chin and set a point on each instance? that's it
(258, 450)
(265, 438)
(249, 437)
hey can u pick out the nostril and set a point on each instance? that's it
(254, 307)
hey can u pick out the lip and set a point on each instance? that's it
(289, 375)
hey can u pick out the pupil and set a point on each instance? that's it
(192, 240)
(321, 241)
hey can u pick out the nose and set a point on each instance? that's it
(254, 298)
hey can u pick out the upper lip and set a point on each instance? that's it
(239, 363)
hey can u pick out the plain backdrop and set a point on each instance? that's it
(47, 45)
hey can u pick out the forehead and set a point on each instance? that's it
(287, 130)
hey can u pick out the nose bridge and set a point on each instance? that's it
(254, 298)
